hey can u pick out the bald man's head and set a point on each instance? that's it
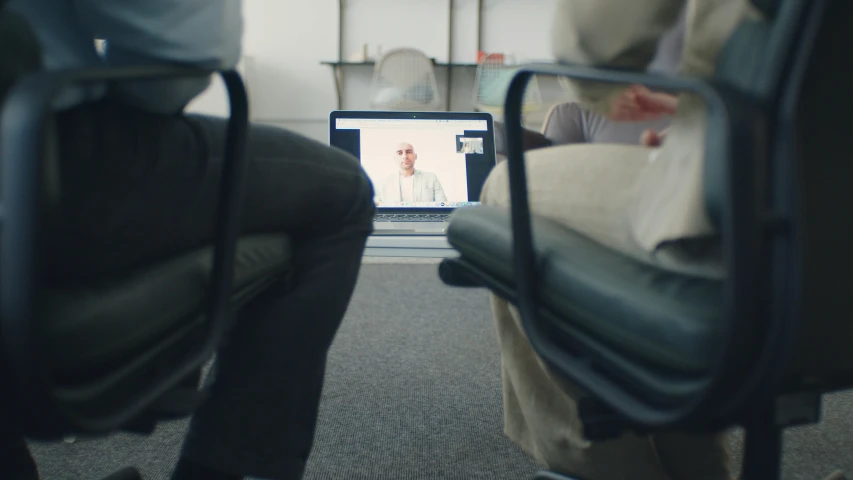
(405, 156)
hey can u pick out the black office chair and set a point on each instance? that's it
(660, 351)
(122, 354)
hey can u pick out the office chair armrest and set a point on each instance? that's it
(25, 111)
(731, 155)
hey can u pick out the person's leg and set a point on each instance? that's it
(140, 186)
(261, 417)
(588, 188)
(543, 420)
(18, 463)
(137, 187)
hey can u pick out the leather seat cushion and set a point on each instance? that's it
(92, 325)
(662, 319)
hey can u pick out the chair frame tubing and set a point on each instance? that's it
(25, 112)
(742, 258)
(760, 239)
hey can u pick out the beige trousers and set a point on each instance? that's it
(589, 188)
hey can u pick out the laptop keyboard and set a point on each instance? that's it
(416, 217)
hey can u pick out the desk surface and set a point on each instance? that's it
(372, 62)
(419, 246)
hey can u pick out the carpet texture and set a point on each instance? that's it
(413, 392)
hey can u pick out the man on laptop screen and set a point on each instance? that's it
(408, 185)
(422, 165)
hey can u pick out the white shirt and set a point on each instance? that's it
(206, 33)
(407, 188)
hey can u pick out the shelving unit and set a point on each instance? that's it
(341, 64)
(338, 72)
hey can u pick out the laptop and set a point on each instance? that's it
(423, 165)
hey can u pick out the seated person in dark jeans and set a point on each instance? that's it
(140, 182)
(569, 123)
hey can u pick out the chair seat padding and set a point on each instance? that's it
(92, 325)
(663, 319)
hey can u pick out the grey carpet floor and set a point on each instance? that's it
(413, 392)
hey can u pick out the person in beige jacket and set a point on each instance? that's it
(408, 184)
(642, 201)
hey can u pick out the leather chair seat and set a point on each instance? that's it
(625, 312)
(90, 327)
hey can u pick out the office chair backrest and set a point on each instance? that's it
(20, 50)
(492, 80)
(804, 92)
(404, 79)
(20, 53)
(753, 62)
(767, 7)
(823, 172)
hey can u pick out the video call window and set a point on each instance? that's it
(471, 145)
(420, 163)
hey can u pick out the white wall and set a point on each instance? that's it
(520, 27)
(510, 26)
(421, 24)
(285, 41)
(465, 34)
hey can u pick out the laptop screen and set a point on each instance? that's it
(419, 161)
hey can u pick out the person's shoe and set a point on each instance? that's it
(18, 463)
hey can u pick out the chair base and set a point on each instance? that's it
(453, 274)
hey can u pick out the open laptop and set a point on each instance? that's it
(422, 165)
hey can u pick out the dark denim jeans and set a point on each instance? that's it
(137, 186)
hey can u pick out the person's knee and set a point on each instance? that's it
(361, 192)
(496, 188)
(365, 196)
